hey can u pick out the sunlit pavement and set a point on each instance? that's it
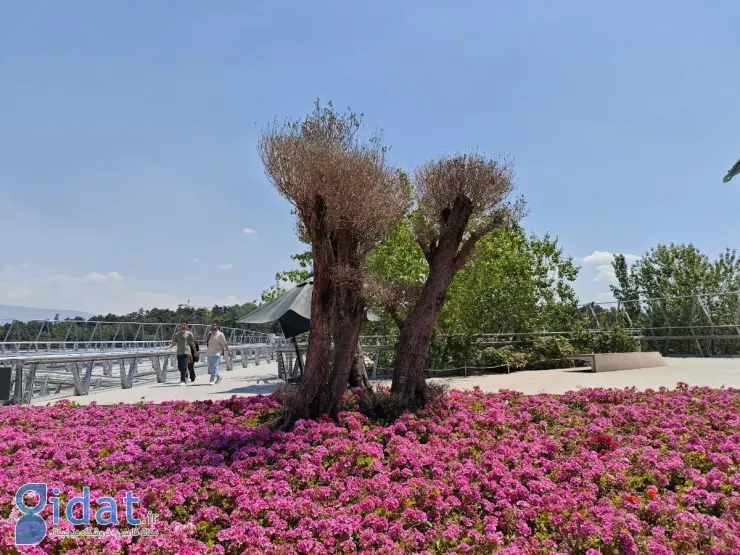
(263, 379)
(254, 380)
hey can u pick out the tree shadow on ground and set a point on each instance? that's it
(253, 389)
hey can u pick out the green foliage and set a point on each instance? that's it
(607, 339)
(552, 347)
(452, 351)
(515, 283)
(551, 352)
(675, 270)
(493, 357)
(657, 291)
(399, 260)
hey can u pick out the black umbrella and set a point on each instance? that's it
(293, 310)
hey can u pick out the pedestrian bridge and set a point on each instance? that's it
(59, 359)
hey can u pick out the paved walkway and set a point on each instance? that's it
(254, 380)
(263, 379)
(715, 372)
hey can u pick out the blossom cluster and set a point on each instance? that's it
(591, 471)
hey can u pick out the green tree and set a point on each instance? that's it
(289, 277)
(674, 287)
(515, 283)
(460, 200)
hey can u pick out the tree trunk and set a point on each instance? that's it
(358, 374)
(316, 371)
(412, 351)
(348, 313)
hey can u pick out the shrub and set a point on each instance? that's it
(452, 351)
(611, 339)
(552, 347)
(493, 357)
(550, 352)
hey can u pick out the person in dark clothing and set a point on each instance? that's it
(185, 343)
(191, 364)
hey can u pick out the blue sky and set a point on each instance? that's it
(128, 129)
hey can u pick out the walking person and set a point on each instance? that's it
(196, 358)
(185, 343)
(215, 347)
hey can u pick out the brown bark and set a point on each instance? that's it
(316, 371)
(348, 314)
(412, 352)
(395, 316)
(358, 373)
(409, 369)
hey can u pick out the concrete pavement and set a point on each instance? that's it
(263, 379)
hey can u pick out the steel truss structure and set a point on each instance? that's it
(702, 324)
(37, 336)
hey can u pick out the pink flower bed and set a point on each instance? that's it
(593, 471)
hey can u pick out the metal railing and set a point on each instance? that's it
(693, 323)
(75, 335)
(37, 375)
(678, 324)
(289, 368)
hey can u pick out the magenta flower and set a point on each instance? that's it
(590, 471)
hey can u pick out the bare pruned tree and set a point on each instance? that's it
(460, 200)
(347, 198)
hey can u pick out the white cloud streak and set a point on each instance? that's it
(606, 257)
(602, 263)
(95, 292)
(249, 231)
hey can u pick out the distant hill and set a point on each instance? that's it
(25, 313)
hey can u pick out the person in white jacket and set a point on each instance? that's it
(215, 346)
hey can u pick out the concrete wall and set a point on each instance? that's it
(608, 362)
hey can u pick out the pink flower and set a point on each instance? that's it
(482, 472)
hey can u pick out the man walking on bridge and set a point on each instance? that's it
(216, 344)
(185, 343)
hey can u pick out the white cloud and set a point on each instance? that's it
(224, 266)
(95, 292)
(604, 272)
(606, 257)
(196, 260)
(602, 260)
(249, 231)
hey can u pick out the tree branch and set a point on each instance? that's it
(425, 249)
(393, 312)
(462, 256)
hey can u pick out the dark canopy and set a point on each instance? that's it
(292, 309)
